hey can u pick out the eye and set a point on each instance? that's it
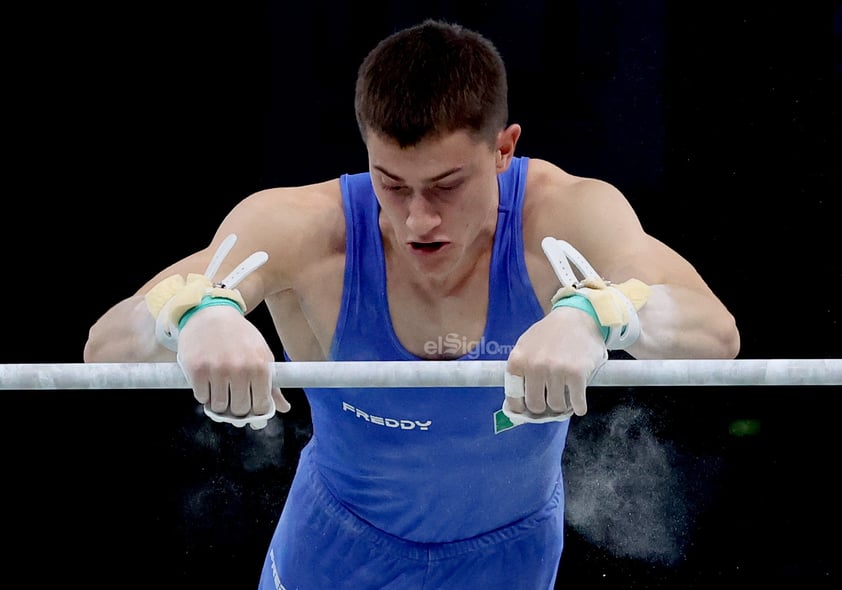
(447, 188)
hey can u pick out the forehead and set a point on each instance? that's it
(429, 158)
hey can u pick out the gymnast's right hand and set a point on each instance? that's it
(228, 364)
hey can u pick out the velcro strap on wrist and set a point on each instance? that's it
(191, 295)
(609, 301)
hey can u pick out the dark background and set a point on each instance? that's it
(132, 128)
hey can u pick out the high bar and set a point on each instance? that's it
(413, 374)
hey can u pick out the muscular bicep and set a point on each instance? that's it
(294, 227)
(656, 263)
(619, 248)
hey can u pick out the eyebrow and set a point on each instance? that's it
(436, 178)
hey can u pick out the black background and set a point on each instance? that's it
(131, 129)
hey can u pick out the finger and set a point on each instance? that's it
(516, 404)
(536, 394)
(201, 392)
(219, 395)
(240, 397)
(558, 399)
(576, 387)
(513, 388)
(281, 403)
(261, 392)
(198, 382)
(513, 384)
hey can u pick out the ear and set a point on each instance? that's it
(506, 142)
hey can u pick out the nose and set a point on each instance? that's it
(422, 217)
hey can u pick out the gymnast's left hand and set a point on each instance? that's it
(228, 364)
(551, 365)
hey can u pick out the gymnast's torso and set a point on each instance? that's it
(428, 464)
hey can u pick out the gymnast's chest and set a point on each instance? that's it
(426, 325)
(438, 327)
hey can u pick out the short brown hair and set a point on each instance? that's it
(432, 78)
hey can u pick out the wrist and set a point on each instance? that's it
(208, 301)
(582, 303)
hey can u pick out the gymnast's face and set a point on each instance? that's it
(438, 199)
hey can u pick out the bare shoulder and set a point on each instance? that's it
(295, 226)
(590, 213)
(597, 219)
(298, 227)
(289, 217)
(562, 202)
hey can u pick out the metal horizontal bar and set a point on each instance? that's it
(374, 374)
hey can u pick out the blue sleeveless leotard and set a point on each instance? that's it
(424, 466)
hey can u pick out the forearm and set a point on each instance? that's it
(125, 333)
(678, 322)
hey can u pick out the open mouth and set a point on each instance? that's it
(427, 246)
